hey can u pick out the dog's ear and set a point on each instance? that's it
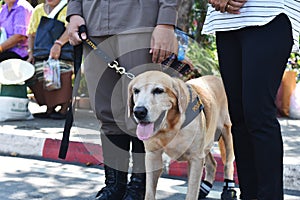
(181, 94)
(130, 102)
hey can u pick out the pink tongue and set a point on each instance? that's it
(145, 131)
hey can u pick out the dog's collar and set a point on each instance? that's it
(193, 109)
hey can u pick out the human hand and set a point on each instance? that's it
(163, 43)
(30, 58)
(219, 5)
(230, 6)
(55, 51)
(75, 22)
(234, 6)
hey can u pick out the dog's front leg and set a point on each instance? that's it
(194, 177)
(228, 143)
(154, 165)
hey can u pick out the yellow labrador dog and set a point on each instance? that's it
(180, 119)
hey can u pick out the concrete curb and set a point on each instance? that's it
(91, 154)
(81, 152)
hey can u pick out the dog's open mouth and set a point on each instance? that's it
(145, 130)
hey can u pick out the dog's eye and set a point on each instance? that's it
(157, 91)
(136, 91)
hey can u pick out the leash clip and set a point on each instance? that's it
(121, 70)
(115, 65)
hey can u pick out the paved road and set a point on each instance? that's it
(36, 179)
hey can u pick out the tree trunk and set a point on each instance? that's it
(184, 14)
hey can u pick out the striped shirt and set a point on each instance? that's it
(254, 13)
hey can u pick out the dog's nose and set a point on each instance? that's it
(140, 112)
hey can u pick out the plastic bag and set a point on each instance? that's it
(183, 40)
(13, 108)
(3, 36)
(52, 74)
(295, 103)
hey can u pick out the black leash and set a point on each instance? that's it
(64, 145)
(172, 63)
(114, 64)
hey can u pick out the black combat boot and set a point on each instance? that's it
(115, 185)
(116, 163)
(136, 188)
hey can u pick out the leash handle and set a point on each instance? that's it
(82, 29)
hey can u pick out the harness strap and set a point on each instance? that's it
(194, 108)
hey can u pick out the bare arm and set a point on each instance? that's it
(31, 38)
(55, 50)
(12, 41)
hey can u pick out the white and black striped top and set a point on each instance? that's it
(254, 13)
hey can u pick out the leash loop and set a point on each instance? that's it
(121, 70)
(130, 75)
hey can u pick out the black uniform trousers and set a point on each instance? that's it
(108, 95)
(252, 61)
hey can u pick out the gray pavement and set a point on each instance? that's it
(86, 130)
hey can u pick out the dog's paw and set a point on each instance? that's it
(229, 194)
(228, 190)
(205, 187)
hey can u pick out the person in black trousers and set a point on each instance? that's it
(251, 73)
(139, 34)
(253, 50)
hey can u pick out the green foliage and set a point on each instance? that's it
(294, 61)
(82, 90)
(294, 64)
(203, 59)
(197, 17)
(202, 50)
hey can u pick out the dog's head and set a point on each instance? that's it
(156, 101)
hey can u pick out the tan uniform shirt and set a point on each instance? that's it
(109, 17)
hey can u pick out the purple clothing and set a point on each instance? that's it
(16, 21)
